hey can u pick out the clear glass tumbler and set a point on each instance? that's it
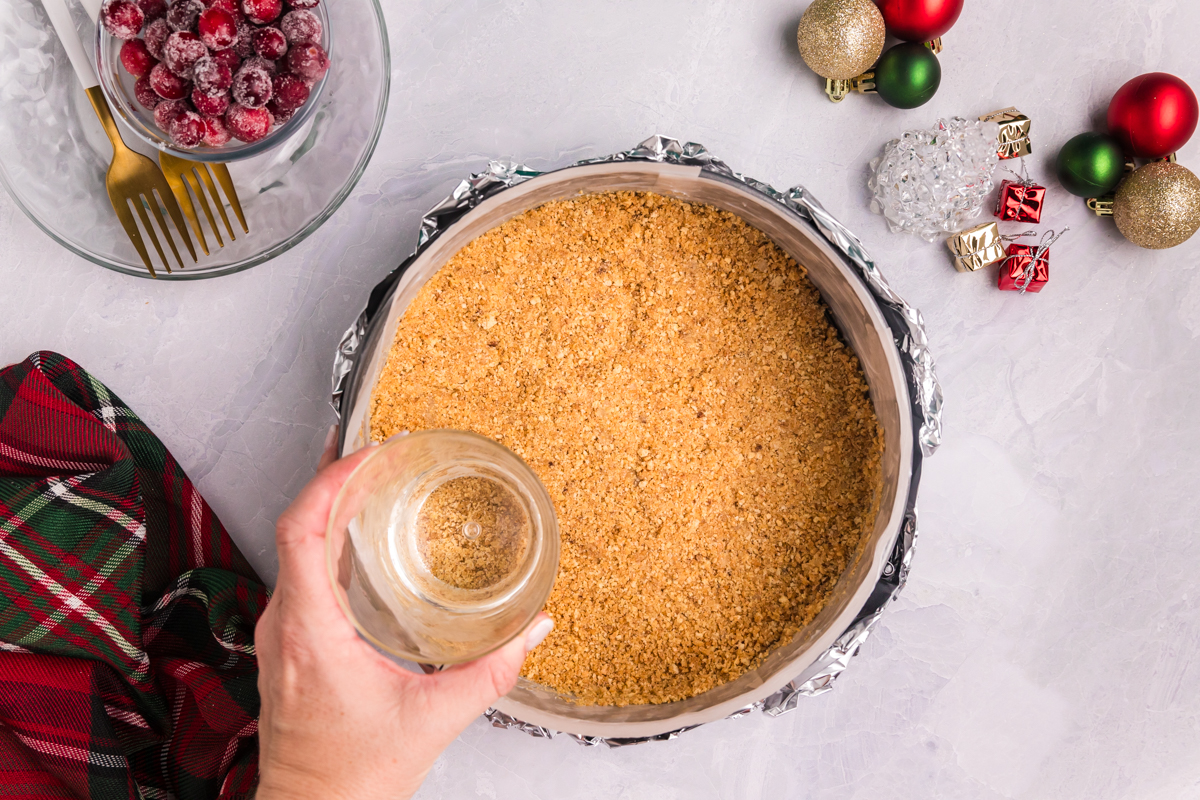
(442, 546)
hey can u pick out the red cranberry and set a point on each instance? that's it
(280, 114)
(156, 36)
(304, 3)
(289, 92)
(243, 45)
(167, 84)
(225, 5)
(211, 76)
(308, 61)
(262, 12)
(153, 9)
(258, 62)
(136, 58)
(301, 27)
(251, 86)
(248, 124)
(166, 111)
(181, 52)
(187, 129)
(215, 131)
(122, 18)
(182, 14)
(270, 43)
(145, 94)
(228, 58)
(210, 104)
(217, 28)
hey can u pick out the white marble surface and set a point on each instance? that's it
(1048, 642)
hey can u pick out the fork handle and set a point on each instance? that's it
(60, 18)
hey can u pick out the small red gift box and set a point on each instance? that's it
(1020, 202)
(1012, 269)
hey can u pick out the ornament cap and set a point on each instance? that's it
(935, 45)
(1101, 206)
(838, 89)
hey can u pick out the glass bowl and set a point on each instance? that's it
(117, 85)
(57, 155)
(442, 546)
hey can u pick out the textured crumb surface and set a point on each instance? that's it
(675, 381)
(472, 532)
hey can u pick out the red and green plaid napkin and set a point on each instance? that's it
(127, 614)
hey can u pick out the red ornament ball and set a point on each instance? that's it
(919, 20)
(1153, 115)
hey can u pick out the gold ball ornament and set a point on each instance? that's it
(841, 39)
(1158, 206)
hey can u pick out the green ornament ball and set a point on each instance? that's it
(1091, 165)
(908, 75)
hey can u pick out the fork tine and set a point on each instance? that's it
(190, 177)
(162, 223)
(139, 205)
(168, 200)
(202, 170)
(226, 181)
(121, 206)
(180, 191)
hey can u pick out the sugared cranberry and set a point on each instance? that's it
(301, 27)
(262, 12)
(228, 58)
(251, 86)
(210, 104)
(153, 9)
(308, 61)
(225, 5)
(167, 84)
(156, 36)
(181, 52)
(211, 76)
(187, 129)
(122, 18)
(215, 131)
(304, 3)
(248, 124)
(270, 43)
(258, 62)
(136, 58)
(289, 92)
(243, 45)
(217, 28)
(182, 14)
(281, 115)
(145, 94)
(166, 111)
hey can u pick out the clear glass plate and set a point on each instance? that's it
(56, 154)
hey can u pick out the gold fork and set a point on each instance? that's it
(132, 178)
(184, 174)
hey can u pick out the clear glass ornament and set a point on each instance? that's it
(931, 182)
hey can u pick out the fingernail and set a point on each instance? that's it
(331, 436)
(395, 436)
(538, 633)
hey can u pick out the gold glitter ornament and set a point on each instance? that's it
(1158, 206)
(841, 39)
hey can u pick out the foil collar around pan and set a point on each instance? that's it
(907, 326)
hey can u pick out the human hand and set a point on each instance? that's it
(338, 719)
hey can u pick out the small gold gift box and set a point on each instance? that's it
(976, 248)
(1014, 132)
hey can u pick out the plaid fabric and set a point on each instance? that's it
(127, 614)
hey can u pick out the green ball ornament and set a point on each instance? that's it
(908, 75)
(1091, 165)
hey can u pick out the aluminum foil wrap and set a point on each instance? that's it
(905, 321)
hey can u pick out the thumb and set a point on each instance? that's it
(466, 691)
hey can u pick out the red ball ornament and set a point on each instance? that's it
(1153, 115)
(919, 20)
